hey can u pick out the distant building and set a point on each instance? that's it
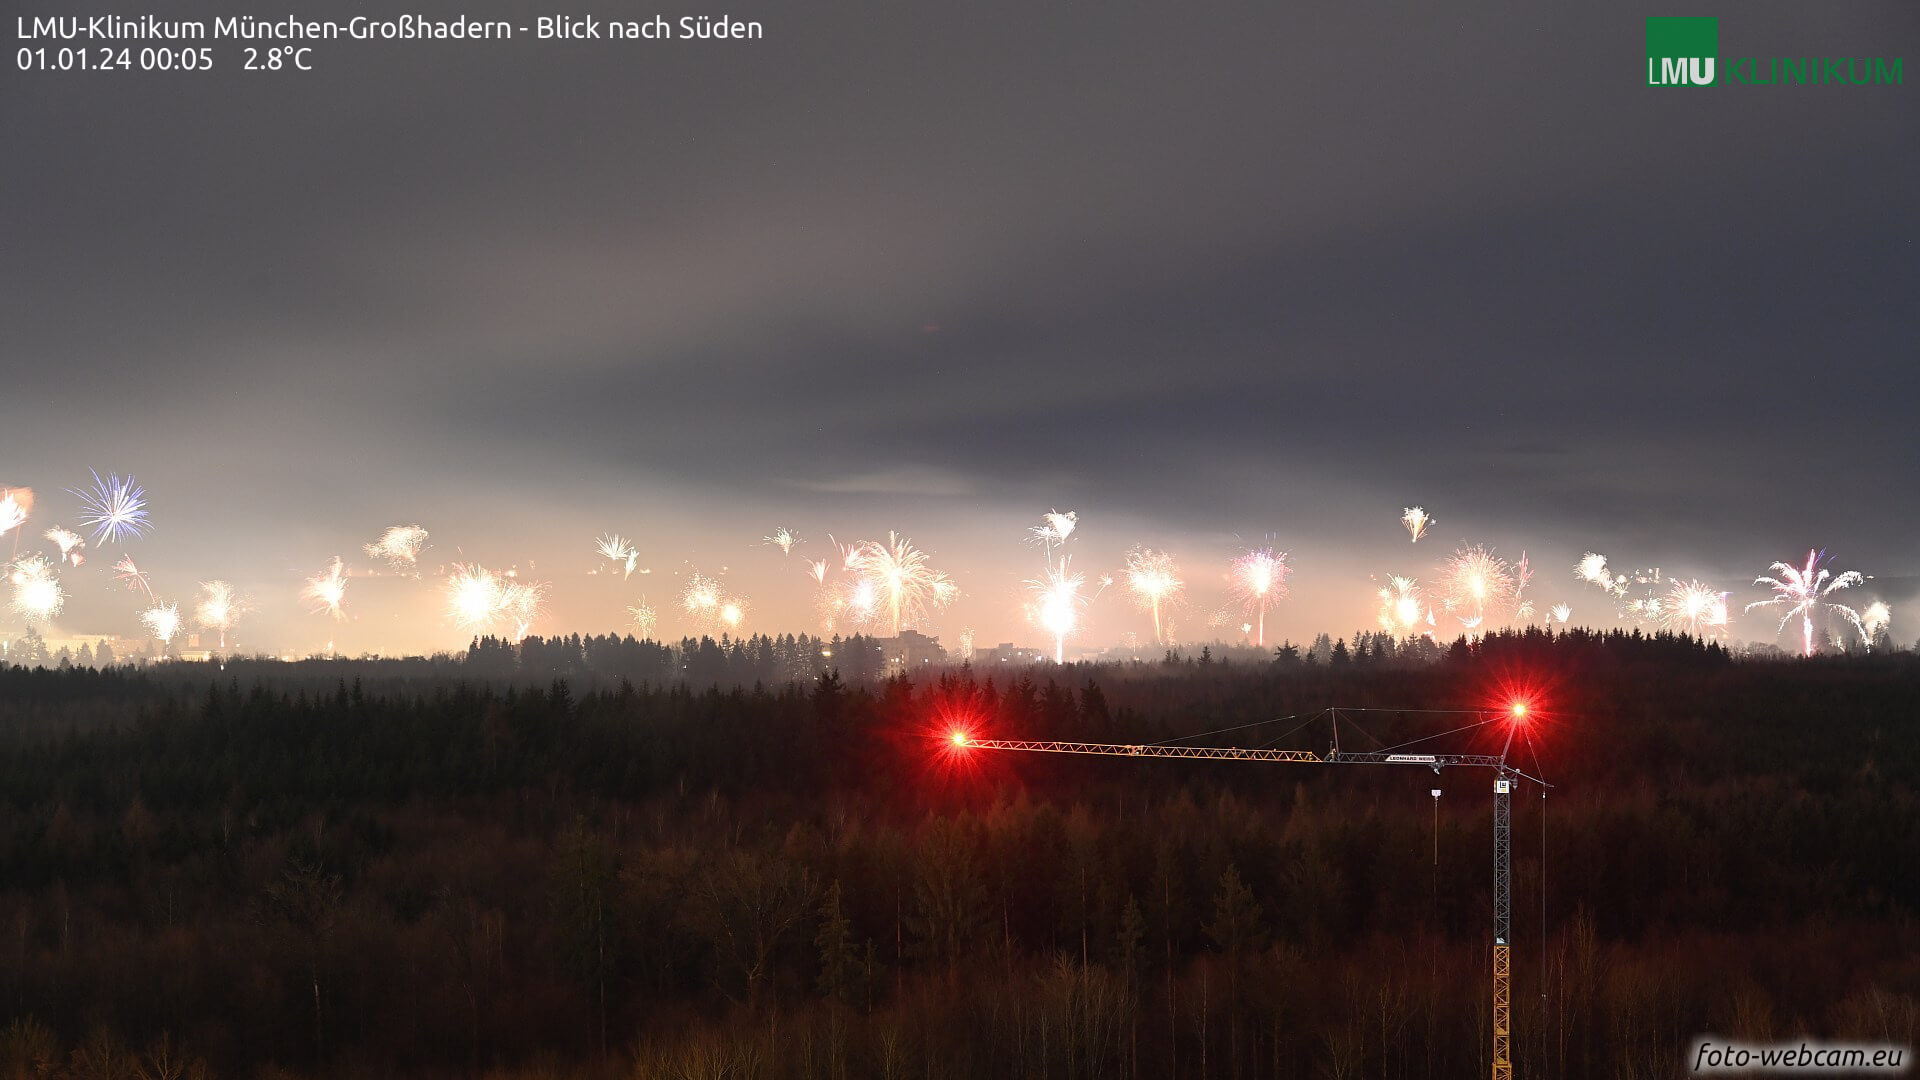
(911, 650)
(188, 647)
(123, 650)
(1008, 653)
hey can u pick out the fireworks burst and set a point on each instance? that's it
(1645, 609)
(849, 555)
(644, 619)
(1478, 587)
(328, 589)
(482, 601)
(474, 596)
(113, 507)
(1055, 527)
(1638, 596)
(1873, 621)
(135, 577)
(851, 604)
(219, 608)
(399, 546)
(782, 538)
(1692, 607)
(1056, 605)
(619, 549)
(526, 603)
(965, 643)
(711, 609)
(1649, 607)
(1592, 569)
(828, 598)
(1401, 609)
(161, 621)
(1802, 591)
(909, 587)
(1560, 613)
(1154, 581)
(855, 602)
(701, 597)
(1259, 578)
(1053, 530)
(69, 543)
(37, 596)
(15, 505)
(1416, 521)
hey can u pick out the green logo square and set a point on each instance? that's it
(1681, 51)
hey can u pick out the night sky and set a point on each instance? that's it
(1211, 275)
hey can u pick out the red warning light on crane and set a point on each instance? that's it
(1518, 710)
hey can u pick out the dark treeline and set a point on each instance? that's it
(602, 857)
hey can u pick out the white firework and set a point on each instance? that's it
(219, 608)
(327, 590)
(484, 601)
(69, 543)
(400, 546)
(1054, 529)
(701, 597)
(1592, 568)
(620, 550)
(1695, 608)
(1874, 619)
(37, 595)
(1056, 605)
(161, 621)
(13, 511)
(1416, 521)
(1402, 608)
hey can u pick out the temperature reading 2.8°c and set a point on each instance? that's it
(279, 59)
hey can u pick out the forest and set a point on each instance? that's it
(610, 858)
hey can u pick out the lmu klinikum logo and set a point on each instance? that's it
(1680, 52)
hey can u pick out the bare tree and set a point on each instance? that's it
(584, 885)
(305, 899)
(746, 905)
(475, 940)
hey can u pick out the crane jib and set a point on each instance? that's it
(1249, 753)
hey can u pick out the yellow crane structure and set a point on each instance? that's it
(1506, 779)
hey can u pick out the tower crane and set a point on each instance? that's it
(1506, 778)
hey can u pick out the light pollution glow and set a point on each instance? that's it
(886, 586)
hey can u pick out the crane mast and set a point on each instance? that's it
(1505, 777)
(1502, 929)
